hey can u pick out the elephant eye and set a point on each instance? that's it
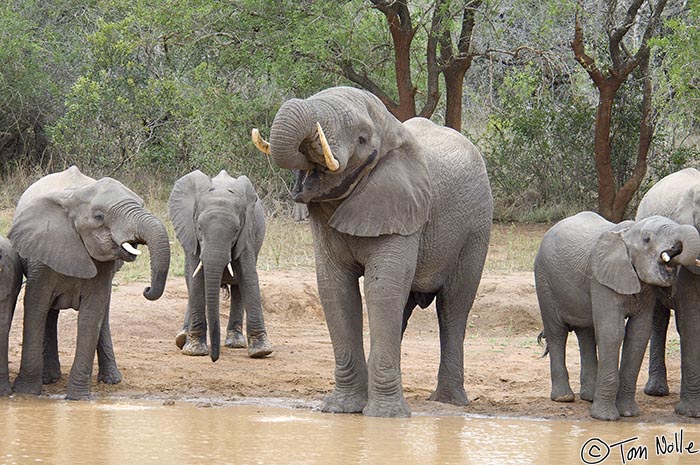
(646, 239)
(99, 217)
(363, 140)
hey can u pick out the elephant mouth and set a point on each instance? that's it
(667, 273)
(315, 186)
(127, 251)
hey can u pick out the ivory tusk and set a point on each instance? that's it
(260, 143)
(230, 269)
(131, 249)
(697, 262)
(665, 257)
(196, 270)
(331, 162)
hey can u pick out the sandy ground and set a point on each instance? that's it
(504, 372)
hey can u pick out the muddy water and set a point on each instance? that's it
(131, 432)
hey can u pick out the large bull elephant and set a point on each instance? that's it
(72, 233)
(221, 225)
(677, 196)
(406, 205)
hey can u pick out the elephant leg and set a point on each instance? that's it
(37, 300)
(609, 321)
(637, 333)
(340, 297)
(52, 365)
(258, 343)
(407, 312)
(589, 362)
(7, 311)
(657, 384)
(195, 343)
(387, 284)
(687, 313)
(107, 372)
(90, 317)
(181, 336)
(234, 329)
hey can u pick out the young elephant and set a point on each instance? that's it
(73, 233)
(590, 275)
(221, 226)
(10, 284)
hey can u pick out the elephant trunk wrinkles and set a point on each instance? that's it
(689, 237)
(152, 231)
(212, 290)
(292, 125)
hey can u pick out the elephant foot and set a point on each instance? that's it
(5, 389)
(562, 394)
(195, 346)
(587, 394)
(339, 402)
(181, 339)
(259, 345)
(235, 339)
(688, 408)
(387, 409)
(79, 395)
(604, 411)
(454, 396)
(110, 375)
(28, 388)
(51, 375)
(656, 387)
(627, 408)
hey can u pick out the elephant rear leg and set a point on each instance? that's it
(52, 366)
(589, 362)
(108, 372)
(657, 384)
(234, 331)
(454, 302)
(7, 310)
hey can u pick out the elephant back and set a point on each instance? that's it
(70, 178)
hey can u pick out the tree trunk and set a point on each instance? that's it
(603, 157)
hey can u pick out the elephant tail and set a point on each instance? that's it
(539, 342)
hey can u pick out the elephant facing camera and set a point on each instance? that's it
(220, 224)
(601, 280)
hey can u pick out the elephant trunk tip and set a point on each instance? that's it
(155, 292)
(214, 352)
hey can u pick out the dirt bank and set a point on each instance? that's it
(505, 374)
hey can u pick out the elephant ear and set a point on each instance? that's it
(43, 231)
(393, 199)
(244, 189)
(612, 265)
(182, 206)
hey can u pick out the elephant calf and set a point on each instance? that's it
(221, 226)
(590, 276)
(10, 284)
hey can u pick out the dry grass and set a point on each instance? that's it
(289, 245)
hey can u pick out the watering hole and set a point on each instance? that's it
(47, 430)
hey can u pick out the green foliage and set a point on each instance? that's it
(538, 148)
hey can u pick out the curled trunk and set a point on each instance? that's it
(152, 231)
(689, 237)
(293, 124)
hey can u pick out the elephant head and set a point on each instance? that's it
(345, 146)
(67, 225)
(213, 220)
(644, 251)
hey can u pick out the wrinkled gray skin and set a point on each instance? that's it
(220, 221)
(68, 229)
(591, 275)
(10, 284)
(677, 196)
(410, 209)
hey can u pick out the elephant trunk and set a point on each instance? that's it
(293, 124)
(689, 240)
(152, 231)
(213, 270)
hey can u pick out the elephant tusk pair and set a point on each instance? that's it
(131, 249)
(331, 162)
(199, 267)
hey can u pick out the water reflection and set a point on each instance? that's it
(125, 433)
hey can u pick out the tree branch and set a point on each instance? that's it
(579, 52)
